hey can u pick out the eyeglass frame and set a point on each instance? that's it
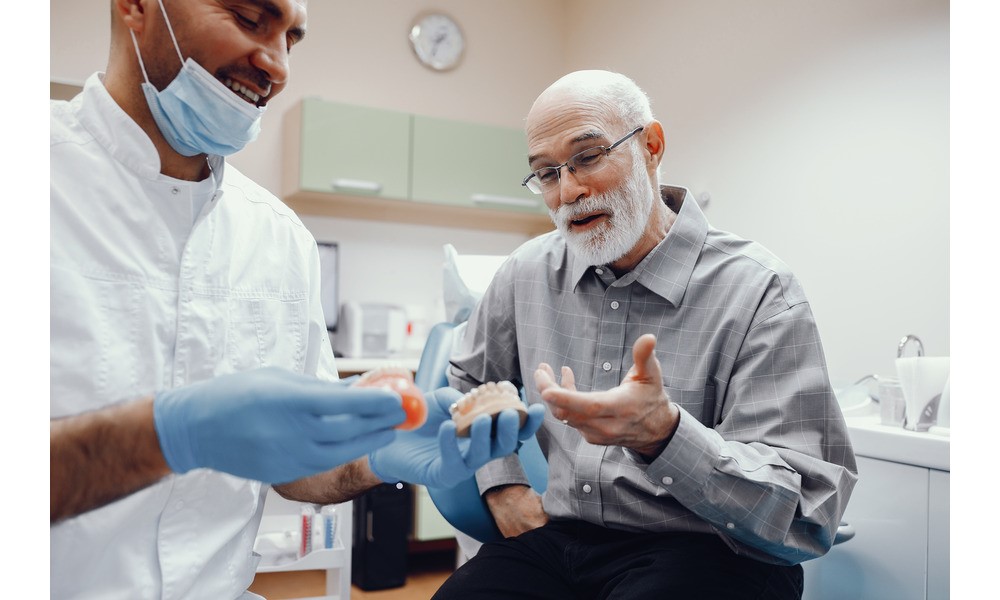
(558, 168)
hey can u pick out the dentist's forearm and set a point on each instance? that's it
(98, 457)
(341, 484)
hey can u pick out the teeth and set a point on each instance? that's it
(241, 89)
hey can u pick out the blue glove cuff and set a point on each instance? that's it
(374, 469)
(174, 438)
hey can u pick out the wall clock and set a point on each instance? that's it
(437, 41)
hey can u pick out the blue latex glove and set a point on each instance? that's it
(271, 424)
(434, 456)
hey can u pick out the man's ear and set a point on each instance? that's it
(131, 13)
(655, 143)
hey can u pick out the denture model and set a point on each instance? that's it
(487, 399)
(399, 380)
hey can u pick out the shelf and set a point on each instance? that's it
(322, 559)
(317, 560)
(416, 213)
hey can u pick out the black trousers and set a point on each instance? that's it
(573, 559)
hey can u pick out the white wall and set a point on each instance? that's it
(819, 128)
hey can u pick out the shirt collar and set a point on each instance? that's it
(122, 137)
(667, 269)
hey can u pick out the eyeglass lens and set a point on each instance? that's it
(586, 162)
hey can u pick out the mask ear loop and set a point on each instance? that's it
(173, 39)
(170, 30)
(142, 65)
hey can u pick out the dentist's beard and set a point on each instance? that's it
(628, 208)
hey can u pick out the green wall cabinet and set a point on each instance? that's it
(473, 165)
(348, 161)
(353, 150)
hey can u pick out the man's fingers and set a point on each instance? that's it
(568, 379)
(573, 405)
(544, 378)
(646, 367)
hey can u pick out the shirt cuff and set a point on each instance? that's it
(687, 462)
(502, 471)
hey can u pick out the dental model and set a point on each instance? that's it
(487, 399)
(399, 380)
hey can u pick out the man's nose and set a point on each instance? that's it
(273, 60)
(570, 188)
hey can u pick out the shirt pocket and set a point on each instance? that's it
(266, 332)
(95, 356)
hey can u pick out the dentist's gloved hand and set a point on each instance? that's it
(434, 456)
(271, 424)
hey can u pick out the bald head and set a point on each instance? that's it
(606, 95)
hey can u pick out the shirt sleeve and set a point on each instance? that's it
(777, 470)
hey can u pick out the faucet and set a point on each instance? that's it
(871, 394)
(906, 340)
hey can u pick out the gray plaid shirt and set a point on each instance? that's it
(761, 456)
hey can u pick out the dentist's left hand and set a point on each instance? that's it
(434, 456)
(271, 424)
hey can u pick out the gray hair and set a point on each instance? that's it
(627, 103)
(626, 100)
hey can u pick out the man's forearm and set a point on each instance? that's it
(341, 484)
(98, 457)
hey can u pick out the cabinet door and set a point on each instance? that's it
(939, 537)
(353, 150)
(471, 165)
(887, 558)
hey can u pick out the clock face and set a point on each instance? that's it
(437, 41)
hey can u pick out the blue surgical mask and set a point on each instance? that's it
(196, 113)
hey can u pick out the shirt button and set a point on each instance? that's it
(586, 488)
(175, 191)
(730, 526)
(599, 271)
(667, 480)
(606, 366)
(615, 305)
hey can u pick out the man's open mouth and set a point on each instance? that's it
(587, 219)
(247, 94)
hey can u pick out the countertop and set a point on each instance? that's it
(354, 366)
(930, 449)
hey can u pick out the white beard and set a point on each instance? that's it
(628, 208)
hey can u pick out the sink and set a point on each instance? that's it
(855, 401)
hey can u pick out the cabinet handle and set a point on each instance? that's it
(505, 200)
(370, 526)
(358, 185)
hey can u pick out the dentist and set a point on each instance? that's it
(189, 359)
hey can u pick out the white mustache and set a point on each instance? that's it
(569, 212)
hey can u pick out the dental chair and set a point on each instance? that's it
(462, 506)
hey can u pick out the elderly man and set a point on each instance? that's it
(188, 344)
(695, 446)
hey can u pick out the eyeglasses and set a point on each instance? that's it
(580, 164)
